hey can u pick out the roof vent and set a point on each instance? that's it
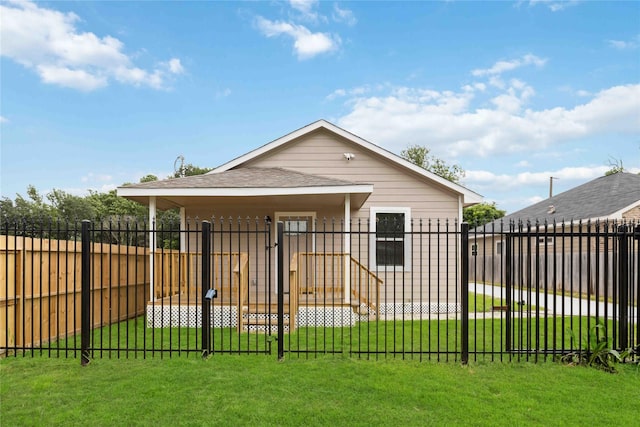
(551, 210)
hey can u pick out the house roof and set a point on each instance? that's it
(606, 197)
(243, 182)
(470, 197)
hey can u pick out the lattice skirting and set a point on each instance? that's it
(418, 308)
(227, 316)
(189, 316)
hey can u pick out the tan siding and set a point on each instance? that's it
(632, 214)
(321, 153)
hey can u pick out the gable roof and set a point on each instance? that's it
(606, 197)
(469, 197)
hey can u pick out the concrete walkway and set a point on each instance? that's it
(556, 305)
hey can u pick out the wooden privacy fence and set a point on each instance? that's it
(40, 288)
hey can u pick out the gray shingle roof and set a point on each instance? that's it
(598, 198)
(247, 178)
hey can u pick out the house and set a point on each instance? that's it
(552, 236)
(350, 210)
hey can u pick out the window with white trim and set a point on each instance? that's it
(499, 247)
(390, 238)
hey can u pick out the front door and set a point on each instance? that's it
(299, 242)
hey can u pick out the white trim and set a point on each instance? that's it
(407, 238)
(347, 248)
(183, 226)
(152, 245)
(243, 192)
(470, 197)
(618, 214)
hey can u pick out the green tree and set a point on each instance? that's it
(149, 178)
(190, 170)
(480, 214)
(616, 166)
(419, 155)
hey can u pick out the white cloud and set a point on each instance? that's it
(504, 66)
(175, 66)
(555, 5)
(223, 93)
(625, 44)
(447, 121)
(92, 177)
(303, 6)
(306, 12)
(48, 42)
(506, 182)
(305, 43)
(4, 119)
(343, 15)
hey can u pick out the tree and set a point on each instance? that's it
(420, 156)
(616, 166)
(481, 214)
(149, 178)
(190, 170)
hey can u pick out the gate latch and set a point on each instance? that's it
(211, 294)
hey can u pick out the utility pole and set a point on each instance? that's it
(551, 178)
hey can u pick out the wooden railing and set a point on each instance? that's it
(365, 286)
(323, 273)
(294, 290)
(241, 275)
(179, 273)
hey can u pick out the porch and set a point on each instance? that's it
(314, 291)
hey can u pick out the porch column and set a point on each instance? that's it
(152, 245)
(183, 226)
(347, 248)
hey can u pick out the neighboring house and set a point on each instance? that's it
(322, 171)
(553, 231)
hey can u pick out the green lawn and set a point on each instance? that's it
(256, 390)
(408, 338)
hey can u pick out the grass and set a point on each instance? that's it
(435, 339)
(257, 390)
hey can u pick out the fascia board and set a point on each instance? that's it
(243, 192)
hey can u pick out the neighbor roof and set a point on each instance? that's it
(606, 197)
(470, 197)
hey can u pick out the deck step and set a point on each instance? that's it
(263, 322)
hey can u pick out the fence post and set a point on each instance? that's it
(206, 280)
(85, 298)
(623, 288)
(280, 287)
(508, 278)
(464, 290)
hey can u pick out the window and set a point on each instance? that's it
(499, 245)
(294, 227)
(390, 241)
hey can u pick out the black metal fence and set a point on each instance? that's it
(427, 290)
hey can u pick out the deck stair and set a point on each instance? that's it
(262, 317)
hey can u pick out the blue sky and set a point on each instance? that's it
(96, 94)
